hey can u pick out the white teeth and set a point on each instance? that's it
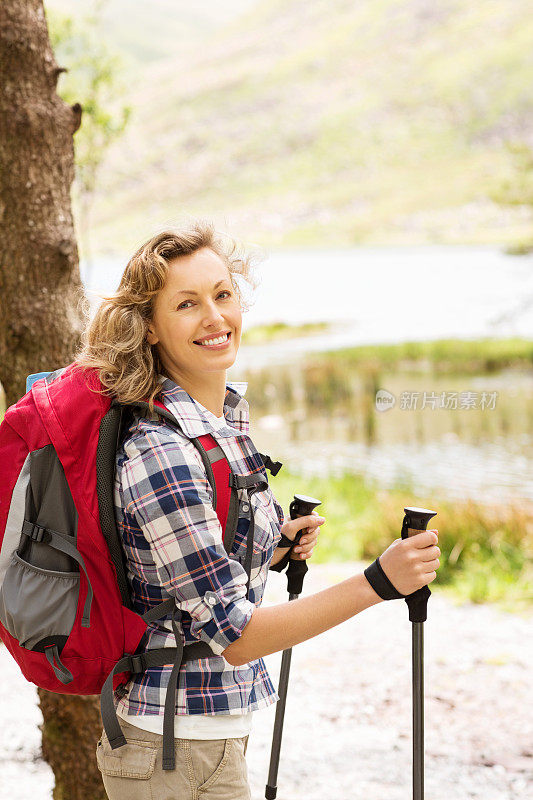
(218, 340)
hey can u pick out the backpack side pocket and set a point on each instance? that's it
(40, 591)
(38, 606)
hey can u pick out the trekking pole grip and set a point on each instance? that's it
(414, 521)
(301, 506)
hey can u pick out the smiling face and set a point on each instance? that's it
(197, 320)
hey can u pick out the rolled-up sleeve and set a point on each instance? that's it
(165, 488)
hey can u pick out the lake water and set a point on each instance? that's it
(378, 295)
(496, 471)
(480, 447)
(385, 294)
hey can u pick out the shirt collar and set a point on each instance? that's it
(195, 420)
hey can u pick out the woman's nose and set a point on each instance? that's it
(212, 315)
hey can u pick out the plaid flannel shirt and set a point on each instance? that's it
(173, 544)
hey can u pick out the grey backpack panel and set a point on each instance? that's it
(15, 518)
(40, 584)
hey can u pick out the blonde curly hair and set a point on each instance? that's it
(114, 342)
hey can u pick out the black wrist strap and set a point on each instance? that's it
(380, 583)
(285, 541)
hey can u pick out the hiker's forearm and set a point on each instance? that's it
(279, 627)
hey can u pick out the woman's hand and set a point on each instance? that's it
(304, 549)
(412, 563)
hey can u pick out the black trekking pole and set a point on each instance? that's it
(416, 520)
(301, 506)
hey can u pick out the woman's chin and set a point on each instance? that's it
(220, 362)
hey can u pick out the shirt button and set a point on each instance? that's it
(245, 507)
(211, 598)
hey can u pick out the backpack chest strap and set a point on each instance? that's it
(256, 481)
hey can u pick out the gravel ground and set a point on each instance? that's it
(347, 730)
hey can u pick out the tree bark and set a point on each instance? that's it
(70, 731)
(40, 284)
(40, 292)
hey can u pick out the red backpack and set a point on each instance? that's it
(66, 614)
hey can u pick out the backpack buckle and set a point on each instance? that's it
(35, 532)
(256, 479)
(272, 466)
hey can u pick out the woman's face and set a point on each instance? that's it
(197, 305)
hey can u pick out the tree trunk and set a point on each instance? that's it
(40, 291)
(70, 731)
(40, 283)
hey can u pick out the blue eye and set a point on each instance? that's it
(225, 291)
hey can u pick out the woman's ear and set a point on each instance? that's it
(151, 338)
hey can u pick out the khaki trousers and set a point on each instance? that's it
(206, 769)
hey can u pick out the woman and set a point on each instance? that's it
(171, 332)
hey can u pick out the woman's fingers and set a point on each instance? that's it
(310, 537)
(430, 553)
(309, 526)
(424, 538)
(307, 543)
(303, 553)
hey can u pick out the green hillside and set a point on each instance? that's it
(147, 31)
(331, 123)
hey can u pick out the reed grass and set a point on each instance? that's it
(277, 331)
(451, 356)
(486, 549)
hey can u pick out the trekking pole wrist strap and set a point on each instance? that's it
(285, 541)
(380, 583)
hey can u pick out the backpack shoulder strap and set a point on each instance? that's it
(225, 499)
(108, 440)
(218, 471)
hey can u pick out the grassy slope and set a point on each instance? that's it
(148, 31)
(332, 123)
